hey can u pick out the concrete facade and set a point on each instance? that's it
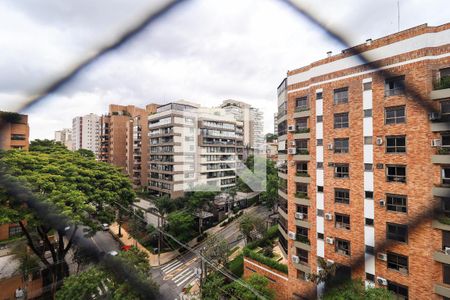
(86, 133)
(15, 132)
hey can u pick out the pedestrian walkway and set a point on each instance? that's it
(127, 239)
(180, 272)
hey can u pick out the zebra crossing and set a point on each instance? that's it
(179, 272)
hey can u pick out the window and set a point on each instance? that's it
(320, 189)
(397, 262)
(368, 167)
(394, 86)
(342, 247)
(320, 236)
(396, 144)
(302, 169)
(396, 203)
(320, 165)
(342, 221)
(341, 120)
(445, 175)
(319, 95)
(320, 212)
(397, 232)
(394, 115)
(400, 291)
(341, 145)
(367, 113)
(341, 95)
(301, 275)
(367, 86)
(368, 222)
(301, 104)
(396, 173)
(342, 196)
(370, 277)
(341, 171)
(367, 140)
(319, 142)
(15, 230)
(302, 255)
(368, 195)
(18, 137)
(370, 250)
(319, 119)
(445, 138)
(445, 108)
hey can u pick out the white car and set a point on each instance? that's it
(113, 253)
(105, 227)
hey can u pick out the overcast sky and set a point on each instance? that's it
(203, 51)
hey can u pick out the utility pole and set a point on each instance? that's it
(202, 269)
(159, 240)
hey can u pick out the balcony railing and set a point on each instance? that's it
(302, 151)
(302, 130)
(301, 108)
(302, 239)
(302, 174)
(301, 195)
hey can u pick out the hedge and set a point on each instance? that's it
(271, 234)
(265, 260)
(236, 266)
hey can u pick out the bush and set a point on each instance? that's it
(268, 251)
(271, 234)
(265, 260)
(236, 266)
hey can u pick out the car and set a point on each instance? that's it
(113, 253)
(105, 227)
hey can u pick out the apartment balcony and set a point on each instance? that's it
(282, 116)
(441, 257)
(301, 133)
(442, 289)
(282, 213)
(282, 175)
(302, 267)
(441, 191)
(440, 126)
(282, 231)
(282, 156)
(442, 157)
(301, 198)
(301, 112)
(302, 178)
(440, 94)
(303, 157)
(302, 242)
(283, 194)
(302, 223)
(282, 136)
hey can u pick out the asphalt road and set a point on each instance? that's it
(180, 272)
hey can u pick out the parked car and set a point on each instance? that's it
(105, 227)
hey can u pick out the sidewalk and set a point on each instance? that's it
(126, 239)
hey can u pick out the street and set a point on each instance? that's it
(179, 273)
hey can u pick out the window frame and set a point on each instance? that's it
(340, 95)
(396, 235)
(398, 86)
(396, 177)
(339, 221)
(393, 198)
(341, 199)
(395, 148)
(341, 174)
(341, 142)
(338, 247)
(396, 119)
(396, 265)
(337, 120)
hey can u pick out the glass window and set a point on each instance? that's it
(319, 95)
(342, 247)
(445, 175)
(341, 95)
(368, 221)
(301, 104)
(394, 115)
(396, 203)
(396, 173)
(368, 195)
(370, 277)
(367, 113)
(341, 170)
(445, 107)
(400, 291)
(320, 189)
(320, 165)
(302, 255)
(367, 86)
(319, 142)
(342, 196)
(368, 167)
(397, 262)
(367, 140)
(394, 86)
(342, 221)
(396, 144)
(341, 145)
(319, 119)
(369, 250)
(397, 232)
(341, 120)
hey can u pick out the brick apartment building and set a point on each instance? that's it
(124, 139)
(14, 134)
(361, 157)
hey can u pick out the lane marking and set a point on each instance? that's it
(169, 265)
(180, 283)
(180, 275)
(175, 266)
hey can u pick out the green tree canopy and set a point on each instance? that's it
(86, 153)
(257, 282)
(355, 290)
(181, 225)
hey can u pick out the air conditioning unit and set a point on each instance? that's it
(328, 216)
(330, 240)
(292, 151)
(299, 215)
(436, 143)
(295, 259)
(433, 116)
(382, 203)
(291, 128)
(291, 235)
(330, 146)
(447, 250)
(382, 256)
(382, 281)
(293, 143)
(379, 141)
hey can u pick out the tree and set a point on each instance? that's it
(216, 250)
(270, 196)
(75, 187)
(250, 226)
(110, 281)
(86, 153)
(28, 262)
(257, 282)
(199, 201)
(355, 290)
(181, 225)
(212, 288)
(326, 273)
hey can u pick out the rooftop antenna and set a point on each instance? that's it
(398, 15)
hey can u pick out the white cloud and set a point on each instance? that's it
(204, 51)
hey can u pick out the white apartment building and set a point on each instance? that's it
(64, 136)
(86, 133)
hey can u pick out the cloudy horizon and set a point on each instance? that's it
(203, 51)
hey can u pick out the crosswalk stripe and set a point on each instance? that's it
(177, 277)
(169, 265)
(173, 267)
(187, 278)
